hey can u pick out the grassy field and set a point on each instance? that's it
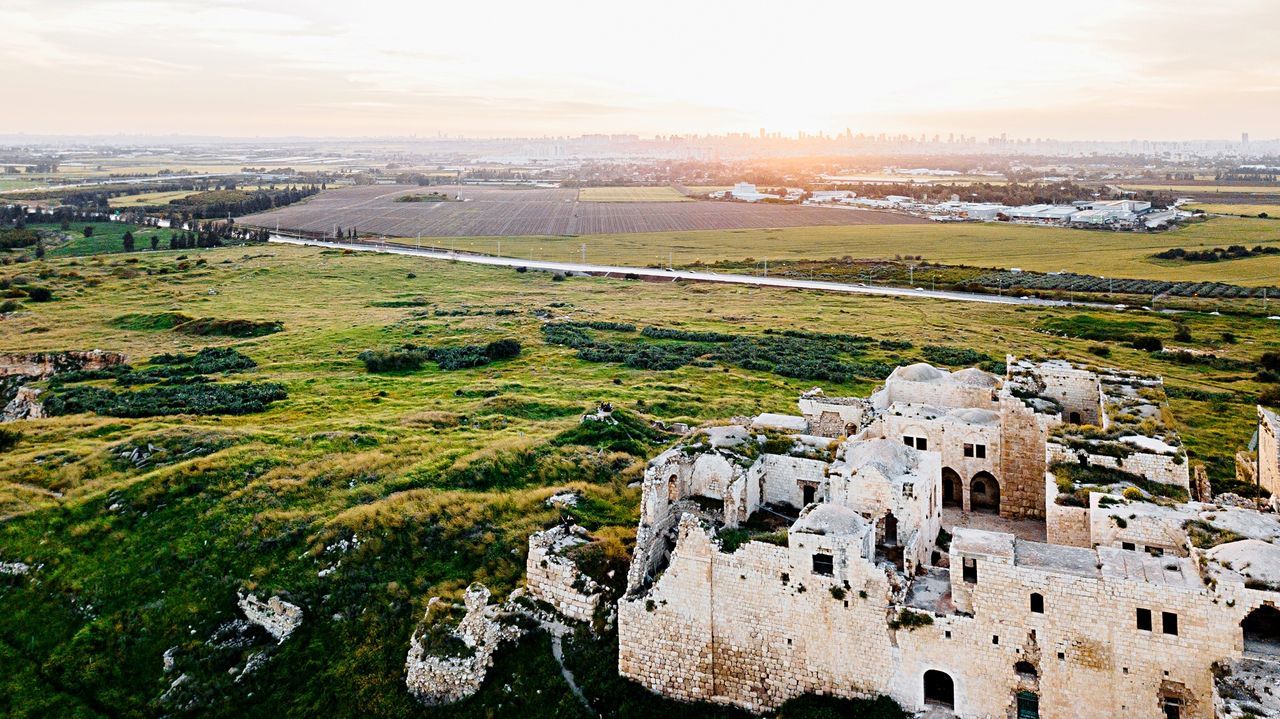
(1118, 254)
(631, 194)
(431, 470)
(1205, 190)
(1272, 210)
(149, 198)
(107, 237)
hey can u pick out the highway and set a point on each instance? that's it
(618, 271)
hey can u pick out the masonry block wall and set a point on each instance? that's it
(1269, 454)
(1022, 461)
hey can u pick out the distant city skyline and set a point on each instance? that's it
(1102, 71)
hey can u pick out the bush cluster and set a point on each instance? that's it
(411, 357)
(169, 399)
(1217, 253)
(954, 356)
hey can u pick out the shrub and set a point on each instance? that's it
(38, 294)
(391, 360)
(1270, 397)
(210, 327)
(953, 356)
(1147, 343)
(502, 349)
(1100, 350)
(9, 438)
(909, 620)
(9, 306)
(203, 398)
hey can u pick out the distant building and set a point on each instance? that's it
(746, 192)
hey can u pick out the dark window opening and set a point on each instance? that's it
(939, 689)
(922, 443)
(1155, 551)
(970, 570)
(1169, 623)
(1262, 631)
(1028, 706)
(809, 492)
(1037, 603)
(995, 639)
(978, 451)
(909, 440)
(1128, 545)
(1026, 669)
(1172, 708)
(824, 564)
(1144, 619)
(1074, 418)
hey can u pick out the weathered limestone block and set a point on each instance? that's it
(436, 680)
(275, 615)
(24, 405)
(553, 578)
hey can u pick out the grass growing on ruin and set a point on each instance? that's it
(403, 485)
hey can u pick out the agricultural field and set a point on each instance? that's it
(361, 495)
(107, 237)
(986, 245)
(149, 198)
(1236, 208)
(1200, 191)
(631, 194)
(501, 212)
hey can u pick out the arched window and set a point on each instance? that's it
(1262, 631)
(1037, 603)
(1025, 669)
(939, 689)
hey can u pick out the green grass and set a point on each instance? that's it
(1244, 210)
(1043, 249)
(107, 237)
(441, 474)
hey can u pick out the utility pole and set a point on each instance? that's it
(584, 253)
(911, 275)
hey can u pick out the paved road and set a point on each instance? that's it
(622, 271)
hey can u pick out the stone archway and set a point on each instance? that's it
(939, 689)
(984, 493)
(952, 488)
(1262, 631)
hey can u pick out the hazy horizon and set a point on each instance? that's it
(228, 69)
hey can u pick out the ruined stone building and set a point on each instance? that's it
(969, 544)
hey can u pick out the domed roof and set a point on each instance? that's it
(975, 377)
(1250, 558)
(919, 372)
(975, 416)
(891, 457)
(829, 519)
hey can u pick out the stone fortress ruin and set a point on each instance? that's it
(1032, 545)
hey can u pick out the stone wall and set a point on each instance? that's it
(1078, 391)
(756, 627)
(1163, 468)
(435, 680)
(552, 577)
(1068, 526)
(1269, 454)
(275, 615)
(1022, 471)
(1145, 525)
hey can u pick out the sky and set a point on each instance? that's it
(1089, 69)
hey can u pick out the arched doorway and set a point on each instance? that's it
(890, 530)
(939, 689)
(1262, 631)
(984, 493)
(952, 488)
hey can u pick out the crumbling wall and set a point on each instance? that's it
(1269, 454)
(275, 615)
(553, 577)
(41, 365)
(436, 680)
(1022, 461)
(1163, 468)
(1076, 390)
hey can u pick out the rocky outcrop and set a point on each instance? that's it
(24, 405)
(435, 679)
(275, 615)
(41, 365)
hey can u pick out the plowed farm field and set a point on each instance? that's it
(505, 212)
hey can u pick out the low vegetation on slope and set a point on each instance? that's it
(359, 495)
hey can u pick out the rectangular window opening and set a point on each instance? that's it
(824, 564)
(1169, 623)
(1144, 619)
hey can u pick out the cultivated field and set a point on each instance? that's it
(1205, 190)
(631, 194)
(501, 212)
(1235, 208)
(149, 198)
(1042, 249)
